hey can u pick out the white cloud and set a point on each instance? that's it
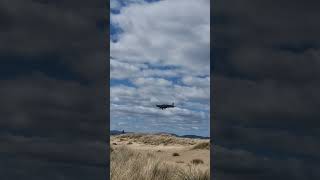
(123, 70)
(196, 81)
(150, 81)
(160, 73)
(192, 93)
(174, 32)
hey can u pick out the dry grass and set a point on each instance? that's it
(197, 161)
(193, 173)
(202, 145)
(130, 164)
(150, 139)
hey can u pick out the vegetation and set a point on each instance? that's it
(197, 161)
(202, 145)
(175, 154)
(193, 173)
(164, 139)
(134, 165)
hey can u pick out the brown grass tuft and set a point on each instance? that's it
(197, 161)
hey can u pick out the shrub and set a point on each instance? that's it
(175, 154)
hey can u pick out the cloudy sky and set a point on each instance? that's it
(52, 108)
(160, 53)
(266, 95)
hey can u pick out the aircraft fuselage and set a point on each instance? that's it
(165, 106)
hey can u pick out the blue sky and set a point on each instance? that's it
(160, 53)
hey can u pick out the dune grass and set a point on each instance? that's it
(163, 139)
(193, 173)
(134, 165)
(202, 145)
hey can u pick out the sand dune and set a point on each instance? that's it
(190, 157)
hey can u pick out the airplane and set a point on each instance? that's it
(164, 106)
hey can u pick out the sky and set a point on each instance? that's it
(160, 53)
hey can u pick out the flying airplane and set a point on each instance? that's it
(164, 106)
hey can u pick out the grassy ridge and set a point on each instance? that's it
(150, 139)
